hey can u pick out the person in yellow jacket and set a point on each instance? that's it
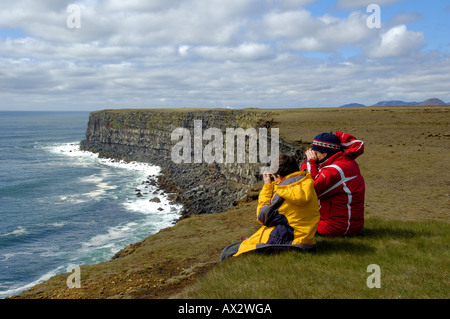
(288, 210)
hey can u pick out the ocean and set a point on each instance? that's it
(61, 207)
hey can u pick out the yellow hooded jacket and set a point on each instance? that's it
(289, 213)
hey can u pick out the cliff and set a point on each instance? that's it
(146, 136)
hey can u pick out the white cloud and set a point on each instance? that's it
(204, 53)
(138, 5)
(352, 30)
(245, 51)
(299, 30)
(290, 24)
(183, 50)
(122, 27)
(289, 4)
(395, 42)
(286, 80)
(351, 4)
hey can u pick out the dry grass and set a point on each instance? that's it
(407, 154)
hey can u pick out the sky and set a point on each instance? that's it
(107, 54)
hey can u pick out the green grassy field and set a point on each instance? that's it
(413, 258)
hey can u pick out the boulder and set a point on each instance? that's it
(155, 200)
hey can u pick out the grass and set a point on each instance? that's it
(413, 259)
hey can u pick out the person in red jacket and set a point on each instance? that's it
(338, 183)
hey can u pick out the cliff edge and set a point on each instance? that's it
(150, 135)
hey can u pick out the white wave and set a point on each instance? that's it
(73, 150)
(159, 215)
(101, 246)
(146, 168)
(107, 240)
(98, 180)
(166, 211)
(8, 256)
(17, 232)
(16, 290)
(73, 199)
(51, 251)
(92, 179)
(102, 189)
(60, 224)
(69, 149)
(144, 205)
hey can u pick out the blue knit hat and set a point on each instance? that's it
(326, 143)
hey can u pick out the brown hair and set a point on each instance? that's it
(287, 164)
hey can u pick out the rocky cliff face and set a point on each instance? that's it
(148, 136)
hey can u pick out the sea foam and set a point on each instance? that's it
(151, 216)
(160, 214)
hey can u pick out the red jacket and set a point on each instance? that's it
(340, 189)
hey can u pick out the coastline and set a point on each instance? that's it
(163, 264)
(145, 197)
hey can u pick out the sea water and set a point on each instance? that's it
(61, 207)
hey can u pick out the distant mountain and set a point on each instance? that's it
(429, 102)
(433, 102)
(396, 103)
(352, 105)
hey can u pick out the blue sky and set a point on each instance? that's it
(430, 17)
(217, 53)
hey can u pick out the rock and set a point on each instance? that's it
(174, 198)
(155, 200)
(252, 195)
(173, 281)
